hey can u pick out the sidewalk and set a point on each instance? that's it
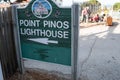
(99, 52)
(86, 25)
(92, 24)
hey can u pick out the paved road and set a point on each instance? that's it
(99, 53)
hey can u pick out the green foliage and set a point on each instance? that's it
(116, 6)
(91, 2)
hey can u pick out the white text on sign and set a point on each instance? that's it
(46, 30)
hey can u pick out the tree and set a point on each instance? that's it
(94, 2)
(116, 6)
(93, 5)
(91, 2)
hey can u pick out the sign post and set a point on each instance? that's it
(75, 42)
(45, 32)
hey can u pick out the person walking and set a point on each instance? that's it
(84, 12)
(88, 12)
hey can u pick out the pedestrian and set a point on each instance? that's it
(96, 18)
(87, 14)
(84, 12)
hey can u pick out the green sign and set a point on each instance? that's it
(45, 32)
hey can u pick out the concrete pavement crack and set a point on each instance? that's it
(90, 52)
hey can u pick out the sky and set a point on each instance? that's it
(69, 2)
(108, 2)
(104, 2)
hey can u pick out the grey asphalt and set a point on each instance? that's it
(99, 52)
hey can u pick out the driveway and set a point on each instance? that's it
(99, 52)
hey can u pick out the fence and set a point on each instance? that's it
(8, 56)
